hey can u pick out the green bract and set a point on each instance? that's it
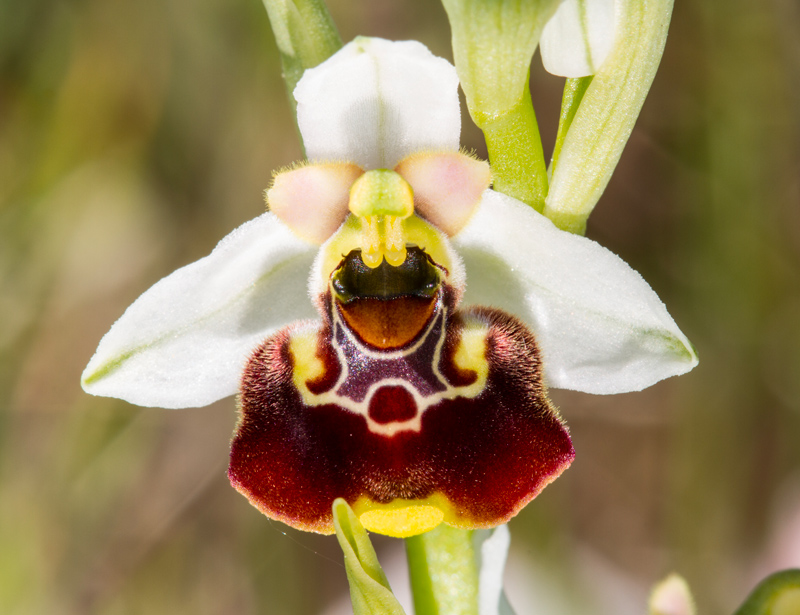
(619, 42)
(369, 589)
(607, 112)
(493, 43)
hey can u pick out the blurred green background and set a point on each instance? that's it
(134, 135)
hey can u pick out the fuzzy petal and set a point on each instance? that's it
(447, 187)
(600, 327)
(184, 342)
(578, 37)
(376, 101)
(312, 200)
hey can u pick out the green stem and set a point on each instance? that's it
(444, 572)
(306, 37)
(574, 89)
(515, 153)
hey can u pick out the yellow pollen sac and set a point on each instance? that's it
(371, 252)
(382, 199)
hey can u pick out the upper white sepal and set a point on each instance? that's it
(600, 327)
(578, 37)
(376, 101)
(184, 342)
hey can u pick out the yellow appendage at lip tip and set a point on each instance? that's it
(401, 518)
(382, 199)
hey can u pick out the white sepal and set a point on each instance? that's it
(491, 547)
(599, 325)
(184, 342)
(376, 101)
(578, 37)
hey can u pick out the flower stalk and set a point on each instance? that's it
(515, 152)
(444, 572)
(306, 36)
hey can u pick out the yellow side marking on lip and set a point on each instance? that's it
(307, 366)
(471, 355)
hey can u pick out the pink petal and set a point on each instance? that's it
(312, 200)
(447, 187)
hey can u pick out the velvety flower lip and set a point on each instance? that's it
(485, 443)
(413, 409)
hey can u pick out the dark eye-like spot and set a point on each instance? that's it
(387, 306)
(417, 276)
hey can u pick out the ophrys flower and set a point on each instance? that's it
(414, 410)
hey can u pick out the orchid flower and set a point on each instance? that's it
(417, 391)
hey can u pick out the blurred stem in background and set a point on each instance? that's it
(739, 423)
